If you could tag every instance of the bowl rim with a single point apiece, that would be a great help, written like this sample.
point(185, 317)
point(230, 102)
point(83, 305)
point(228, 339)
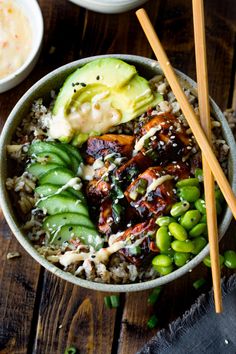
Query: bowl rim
point(139, 286)
point(35, 46)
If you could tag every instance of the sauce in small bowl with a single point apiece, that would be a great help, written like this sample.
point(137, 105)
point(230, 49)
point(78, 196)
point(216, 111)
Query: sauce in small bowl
point(21, 33)
point(15, 37)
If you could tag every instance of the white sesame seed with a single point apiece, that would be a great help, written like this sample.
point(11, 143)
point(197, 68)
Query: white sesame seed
point(226, 341)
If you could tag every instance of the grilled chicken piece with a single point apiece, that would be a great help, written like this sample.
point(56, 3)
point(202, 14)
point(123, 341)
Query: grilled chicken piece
point(152, 192)
point(105, 217)
point(132, 168)
point(170, 140)
point(101, 146)
point(142, 250)
point(97, 191)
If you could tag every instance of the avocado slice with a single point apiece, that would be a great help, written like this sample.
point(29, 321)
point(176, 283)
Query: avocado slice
point(119, 96)
point(107, 72)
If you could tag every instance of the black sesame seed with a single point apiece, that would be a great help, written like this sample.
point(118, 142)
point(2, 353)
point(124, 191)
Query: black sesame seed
point(93, 256)
point(70, 228)
point(98, 77)
point(73, 85)
point(83, 84)
point(74, 90)
point(59, 238)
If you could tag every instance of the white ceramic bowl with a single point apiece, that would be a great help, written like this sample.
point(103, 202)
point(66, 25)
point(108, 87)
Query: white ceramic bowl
point(109, 6)
point(32, 10)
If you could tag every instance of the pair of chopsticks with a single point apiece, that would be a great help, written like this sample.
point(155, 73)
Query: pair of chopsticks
point(210, 164)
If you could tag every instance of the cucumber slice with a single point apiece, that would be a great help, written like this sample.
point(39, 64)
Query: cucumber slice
point(58, 203)
point(74, 154)
point(71, 150)
point(49, 157)
point(54, 222)
point(58, 176)
point(43, 146)
point(87, 235)
point(39, 169)
point(49, 189)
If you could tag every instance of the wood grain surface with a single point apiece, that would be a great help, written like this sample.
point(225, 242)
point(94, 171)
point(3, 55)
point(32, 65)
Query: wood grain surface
point(41, 314)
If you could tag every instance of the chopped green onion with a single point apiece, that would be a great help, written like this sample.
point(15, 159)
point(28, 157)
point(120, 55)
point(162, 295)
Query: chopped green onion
point(141, 186)
point(115, 300)
point(107, 302)
point(199, 174)
point(117, 210)
point(71, 350)
point(135, 250)
point(132, 172)
point(152, 322)
point(199, 283)
point(152, 298)
point(118, 191)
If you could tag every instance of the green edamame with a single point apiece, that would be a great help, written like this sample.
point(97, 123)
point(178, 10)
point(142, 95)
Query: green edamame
point(218, 195)
point(190, 219)
point(180, 258)
point(164, 220)
point(188, 182)
point(198, 230)
point(162, 260)
point(199, 243)
point(203, 219)
point(200, 205)
point(199, 174)
point(186, 246)
point(178, 231)
point(191, 193)
point(164, 270)
point(179, 208)
point(230, 259)
point(207, 261)
point(163, 239)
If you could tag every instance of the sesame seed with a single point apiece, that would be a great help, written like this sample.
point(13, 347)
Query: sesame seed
point(226, 341)
point(172, 137)
point(174, 145)
point(98, 77)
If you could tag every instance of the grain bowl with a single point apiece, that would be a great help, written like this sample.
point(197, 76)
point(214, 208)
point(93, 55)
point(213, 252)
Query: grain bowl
point(125, 270)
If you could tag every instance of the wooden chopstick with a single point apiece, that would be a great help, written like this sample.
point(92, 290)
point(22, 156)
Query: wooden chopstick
point(209, 183)
point(187, 110)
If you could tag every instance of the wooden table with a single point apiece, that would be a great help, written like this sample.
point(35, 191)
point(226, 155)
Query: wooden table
point(39, 313)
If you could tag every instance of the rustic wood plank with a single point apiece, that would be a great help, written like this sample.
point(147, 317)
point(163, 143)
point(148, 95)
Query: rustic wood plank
point(175, 28)
point(18, 279)
point(72, 316)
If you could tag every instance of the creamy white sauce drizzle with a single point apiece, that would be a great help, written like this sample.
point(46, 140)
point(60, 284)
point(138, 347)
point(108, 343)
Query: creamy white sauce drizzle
point(139, 144)
point(157, 182)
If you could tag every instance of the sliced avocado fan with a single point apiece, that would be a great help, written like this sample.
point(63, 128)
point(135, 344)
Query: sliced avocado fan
point(103, 93)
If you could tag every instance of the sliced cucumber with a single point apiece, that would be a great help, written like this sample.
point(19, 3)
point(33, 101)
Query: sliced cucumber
point(43, 146)
point(39, 169)
point(77, 194)
point(58, 203)
point(54, 222)
point(49, 157)
point(50, 189)
point(58, 176)
point(75, 156)
point(87, 235)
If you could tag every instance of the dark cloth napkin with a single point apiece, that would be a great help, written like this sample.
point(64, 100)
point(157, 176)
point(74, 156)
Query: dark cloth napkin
point(201, 330)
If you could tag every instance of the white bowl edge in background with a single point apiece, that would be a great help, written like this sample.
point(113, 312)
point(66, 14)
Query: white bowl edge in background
point(33, 12)
point(109, 6)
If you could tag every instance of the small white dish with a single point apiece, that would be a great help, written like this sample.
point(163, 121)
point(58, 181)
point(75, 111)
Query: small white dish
point(33, 13)
point(109, 6)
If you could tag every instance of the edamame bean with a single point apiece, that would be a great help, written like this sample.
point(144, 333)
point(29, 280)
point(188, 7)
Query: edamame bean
point(190, 219)
point(179, 208)
point(191, 193)
point(199, 243)
point(178, 231)
point(163, 239)
point(187, 182)
point(164, 220)
point(162, 260)
point(180, 258)
point(198, 230)
point(200, 205)
point(219, 195)
point(207, 261)
point(203, 219)
point(199, 174)
point(230, 259)
point(164, 270)
point(182, 246)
